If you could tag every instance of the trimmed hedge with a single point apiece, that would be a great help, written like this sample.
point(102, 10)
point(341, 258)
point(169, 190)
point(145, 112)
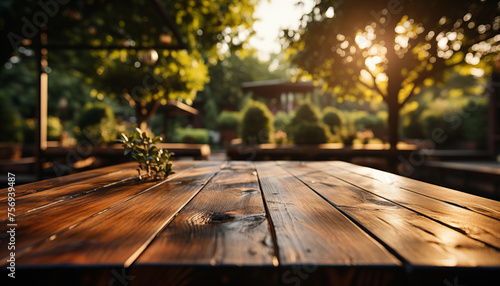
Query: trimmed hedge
point(257, 124)
point(311, 133)
point(332, 117)
point(228, 120)
point(192, 135)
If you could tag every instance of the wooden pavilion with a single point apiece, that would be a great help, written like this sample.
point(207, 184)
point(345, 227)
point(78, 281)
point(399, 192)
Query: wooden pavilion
point(280, 94)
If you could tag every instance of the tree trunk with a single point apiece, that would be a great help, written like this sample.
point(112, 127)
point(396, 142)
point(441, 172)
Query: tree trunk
point(144, 111)
point(393, 87)
point(142, 115)
point(392, 102)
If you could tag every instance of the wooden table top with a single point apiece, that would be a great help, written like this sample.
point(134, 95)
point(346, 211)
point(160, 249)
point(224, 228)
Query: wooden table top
point(247, 223)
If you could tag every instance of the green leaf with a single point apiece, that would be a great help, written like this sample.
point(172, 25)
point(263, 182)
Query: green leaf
point(151, 158)
point(124, 137)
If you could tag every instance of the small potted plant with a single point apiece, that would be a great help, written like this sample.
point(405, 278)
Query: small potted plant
point(152, 159)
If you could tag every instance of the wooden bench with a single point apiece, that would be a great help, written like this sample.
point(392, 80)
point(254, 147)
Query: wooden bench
point(249, 223)
point(481, 178)
point(197, 151)
point(328, 151)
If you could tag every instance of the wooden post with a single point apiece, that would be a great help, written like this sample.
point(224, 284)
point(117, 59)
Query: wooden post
point(494, 110)
point(41, 112)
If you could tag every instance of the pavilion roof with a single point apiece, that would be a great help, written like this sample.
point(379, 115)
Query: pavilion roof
point(274, 88)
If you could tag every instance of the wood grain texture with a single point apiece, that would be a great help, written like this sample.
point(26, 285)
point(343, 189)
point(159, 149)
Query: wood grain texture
point(68, 191)
point(473, 224)
point(419, 240)
point(31, 230)
point(311, 231)
point(225, 224)
point(119, 234)
point(478, 204)
point(39, 186)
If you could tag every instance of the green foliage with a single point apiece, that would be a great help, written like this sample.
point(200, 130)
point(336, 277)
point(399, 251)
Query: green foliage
point(210, 114)
point(311, 133)
point(11, 126)
point(54, 128)
point(306, 113)
point(96, 124)
point(379, 54)
point(192, 135)
point(29, 130)
point(434, 120)
point(228, 120)
point(475, 126)
point(281, 120)
point(332, 117)
point(374, 123)
point(280, 137)
point(151, 158)
point(228, 74)
point(257, 123)
point(205, 27)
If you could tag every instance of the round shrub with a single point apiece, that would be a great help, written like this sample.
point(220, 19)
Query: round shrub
point(332, 118)
point(96, 124)
point(306, 112)
point(311, 133)
point(257, 123)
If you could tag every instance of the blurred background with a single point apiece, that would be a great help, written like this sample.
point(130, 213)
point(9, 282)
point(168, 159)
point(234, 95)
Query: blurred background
point(421, 76)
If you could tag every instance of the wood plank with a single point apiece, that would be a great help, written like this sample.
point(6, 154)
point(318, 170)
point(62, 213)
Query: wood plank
point(70, 190)
point(419, 240)
point(311, 231)
point(168, 275)
point(478, 204)
point(48, 197)
point(225, 224)
point(473, 167)
point(37, 226)
point(39, 186)
point(119, 234)
point(474, 225)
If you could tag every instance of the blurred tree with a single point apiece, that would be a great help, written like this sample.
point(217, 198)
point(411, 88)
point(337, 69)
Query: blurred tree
point(209, 29)
point(18, 81)
point(228, 74)
point(392, 47)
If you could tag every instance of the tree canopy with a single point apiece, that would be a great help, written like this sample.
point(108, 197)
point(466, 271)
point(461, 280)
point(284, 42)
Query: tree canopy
point(209, 30)
point(389, 48)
